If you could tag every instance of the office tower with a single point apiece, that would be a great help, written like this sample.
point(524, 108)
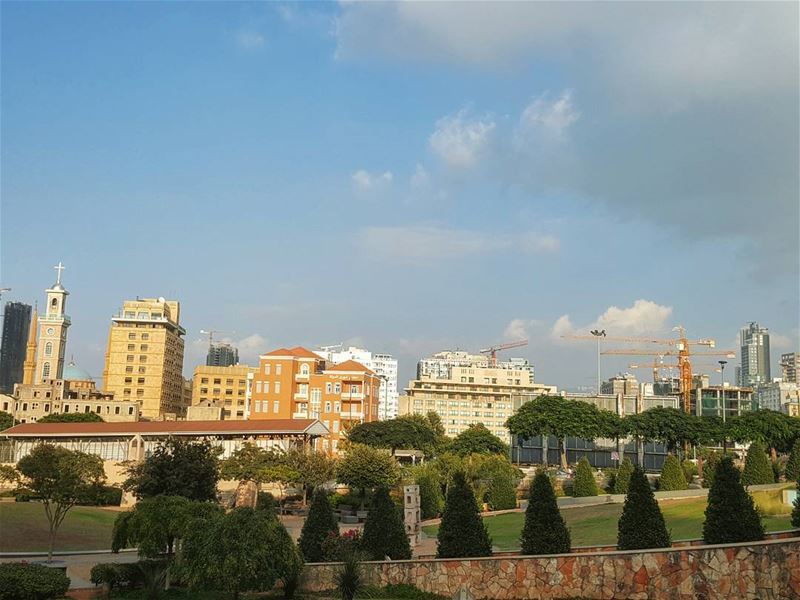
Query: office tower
point(16, 323)
point(221, 354)
point(755, 366)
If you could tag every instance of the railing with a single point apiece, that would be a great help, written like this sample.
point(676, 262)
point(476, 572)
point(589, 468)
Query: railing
point(352, 415)
point(301, 376)
point(54, 318)
point(300, 415)
point(301, 396)
point(352, 396)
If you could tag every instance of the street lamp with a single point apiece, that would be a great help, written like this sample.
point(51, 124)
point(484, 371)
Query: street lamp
point(598, 333)
point(722, 364)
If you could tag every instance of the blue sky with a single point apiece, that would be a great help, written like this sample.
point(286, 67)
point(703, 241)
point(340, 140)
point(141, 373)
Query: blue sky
point(409, 177)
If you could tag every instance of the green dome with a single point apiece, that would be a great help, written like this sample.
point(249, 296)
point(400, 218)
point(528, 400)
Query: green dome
point(73, 372)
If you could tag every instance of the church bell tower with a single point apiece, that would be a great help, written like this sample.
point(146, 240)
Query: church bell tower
point(53, 325)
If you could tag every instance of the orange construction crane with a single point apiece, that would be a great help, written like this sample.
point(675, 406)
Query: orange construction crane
point(493, 350)
point(658, 365)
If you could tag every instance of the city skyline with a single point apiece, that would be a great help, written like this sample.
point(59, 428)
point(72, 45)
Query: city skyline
point(479, 186)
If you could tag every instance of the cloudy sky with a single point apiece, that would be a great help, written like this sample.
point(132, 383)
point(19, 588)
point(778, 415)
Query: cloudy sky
point(410, 177)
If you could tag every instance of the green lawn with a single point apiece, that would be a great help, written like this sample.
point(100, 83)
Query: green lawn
point(23, 528)
point(597, 525)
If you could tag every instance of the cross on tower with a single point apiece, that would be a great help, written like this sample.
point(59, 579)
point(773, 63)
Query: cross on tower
point(59, 267)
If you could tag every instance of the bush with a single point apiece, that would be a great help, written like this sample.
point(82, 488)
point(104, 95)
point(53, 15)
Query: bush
point(462, 533)
point(584, 484)
point(709, 468)
point(545, 531)
point(623, 476)
point(319, 523)
point(266, 502)
point(672, 477)
point(349, 499)
point(792, 471)
point(689, 470)
point(348, 579)
point(24, 581)
point(501, 493)
point(431, 500)
point(384, 531)
point(731, 515)
point(757, 468)
point(335, 547)
point(641, 524)
point(796, 509)
point(101, 495)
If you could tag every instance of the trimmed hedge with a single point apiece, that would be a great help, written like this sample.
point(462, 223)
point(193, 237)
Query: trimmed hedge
point(641, 524)
point(584, 485)
point(757, 467)
point(672, 477)
point(545, 531)
point(792, 471)
point(318, 524)
point(731, 515)
point(623, 477)
point(25, 581)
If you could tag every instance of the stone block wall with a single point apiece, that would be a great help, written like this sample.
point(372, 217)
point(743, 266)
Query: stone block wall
point(756, 570)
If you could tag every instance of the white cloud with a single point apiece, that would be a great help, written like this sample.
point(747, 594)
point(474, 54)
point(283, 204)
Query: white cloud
point(420, 179)
point(779, 341)
point(645, 316)
point(550, 117)
point(520, 328)
point(250, 347)
point(364, 181)
point(425, 244)
point(461, 139)
point(249, 40)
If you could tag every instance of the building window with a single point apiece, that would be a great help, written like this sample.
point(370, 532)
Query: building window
point(336, 426)
point(46, 370)
point(145, 336)
point(87, 409)
point(48, 349)
point(304, 369)
point(142, 369)
point(130, 410)
point(328, 388)
point(258, 387)
point(278, 369)
point(218, 382)
point(127, 391)
point(131, 336)
point(131, 347)
point(276, 406)
point(129, 358)
point(66, 408)
point(129, 380)
point(337, 407)
point(277, 387)
point(143, 348)
point(327, 407)
point(142, 358)
point(140, 380)
point(267, 368)
point(337, 388)
point(116, 410)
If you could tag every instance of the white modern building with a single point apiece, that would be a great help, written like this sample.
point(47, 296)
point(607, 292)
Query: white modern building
point(775, 395)
point(440, 365)
point(385, 365)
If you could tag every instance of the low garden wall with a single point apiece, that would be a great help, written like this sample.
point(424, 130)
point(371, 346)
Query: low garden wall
point(768, 569)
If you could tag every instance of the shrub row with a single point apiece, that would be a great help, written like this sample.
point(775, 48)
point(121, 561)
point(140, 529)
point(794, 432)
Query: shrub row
point(25, 581)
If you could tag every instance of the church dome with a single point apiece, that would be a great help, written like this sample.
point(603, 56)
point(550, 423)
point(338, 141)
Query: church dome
point(73, 372)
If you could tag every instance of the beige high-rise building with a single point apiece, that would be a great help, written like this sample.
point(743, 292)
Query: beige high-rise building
point(226, 388)
point(465, 394)
point(144, 358)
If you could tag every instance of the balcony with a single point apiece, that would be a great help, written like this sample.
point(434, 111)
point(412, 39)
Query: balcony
point(301, 377)
point(300, 415)
point(352, 396)
point(301, 396)
point(352, 414)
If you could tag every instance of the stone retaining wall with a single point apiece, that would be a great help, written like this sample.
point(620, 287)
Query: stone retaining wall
point(765, 570)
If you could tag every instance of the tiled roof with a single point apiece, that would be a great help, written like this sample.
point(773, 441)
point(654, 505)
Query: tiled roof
point(297, 351)
point(253, 426)
point(351, 365)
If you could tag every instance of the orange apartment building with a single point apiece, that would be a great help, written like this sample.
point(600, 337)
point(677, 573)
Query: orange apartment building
point(298, 384)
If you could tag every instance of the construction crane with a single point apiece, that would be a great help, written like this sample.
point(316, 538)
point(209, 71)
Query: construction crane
point(493, 350)
point(210, 333)
point(658, 365)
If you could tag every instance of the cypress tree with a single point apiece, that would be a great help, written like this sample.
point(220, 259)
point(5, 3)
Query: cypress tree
point(672, 477)
point(792, 471)
point(731, 515)
point(584, 485)
point(641, 524)
point(757, 468)
point(320, 523)
point(462, 533)
point(709, 468)
point(545, 531)
point(796, 509)
point(384, 531)
point(623, 476)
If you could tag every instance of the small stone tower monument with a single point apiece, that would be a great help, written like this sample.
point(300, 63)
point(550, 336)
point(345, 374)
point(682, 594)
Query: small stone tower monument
point(411, 513)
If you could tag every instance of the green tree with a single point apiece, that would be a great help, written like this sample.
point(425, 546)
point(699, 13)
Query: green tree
point(241, 551)
point(409, 432)
point(796, 509)
point(670, 426)
point(641, 524)
point(319, 524)
point(709, 468)
point(462, 533)
point(731, 515)
point(545, 531)
point(792, 471)
point(672, 477)
point(559, 417)
point(6, 420)
point(247, 462)
point(366, 468)
point(623, 476)
point(59, 478)
point(477, 439)
point(757, 468)
point(428, 477)
point(584, 485)
point(384, 531)
point(283, 475)
point(774, 430)
point(501, 479)
point(313, 468)
point(176, 468)
point(84, 417)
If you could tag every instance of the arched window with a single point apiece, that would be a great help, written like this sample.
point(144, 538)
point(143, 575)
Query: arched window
point(46, 371)
point(54, 303)
point(304, 369)
point(48, 349)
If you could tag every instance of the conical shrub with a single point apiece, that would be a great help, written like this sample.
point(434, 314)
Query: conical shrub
point(384, 531)
point(757, 467)
point(584, 485)
point(641, 524)
point(796, 509)
point(792, 471)
point(731, 515)
point(623, 477)
point(462, 533)
point(545, 531)
point(672, 477)
point(320, 523)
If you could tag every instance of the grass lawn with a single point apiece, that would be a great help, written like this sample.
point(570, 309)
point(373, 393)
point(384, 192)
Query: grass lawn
point(597, 525)
point(23, 528)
